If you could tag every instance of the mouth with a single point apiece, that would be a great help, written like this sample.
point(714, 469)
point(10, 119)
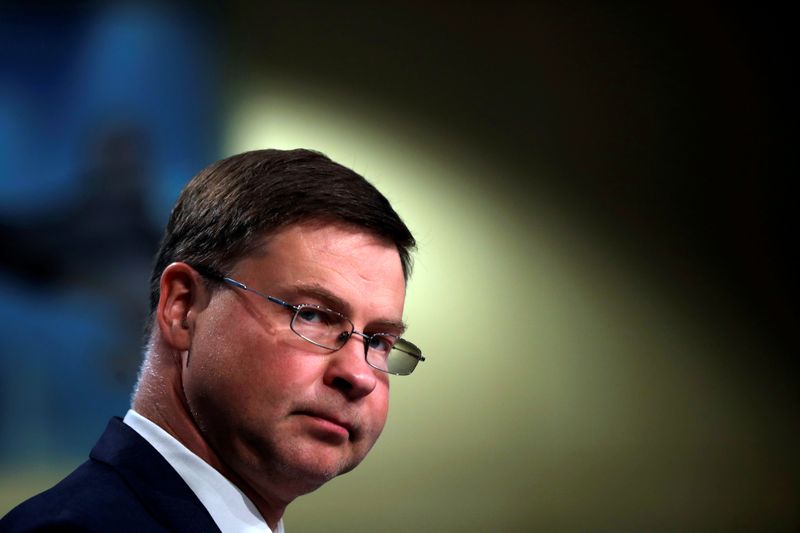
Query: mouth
point(330, 423)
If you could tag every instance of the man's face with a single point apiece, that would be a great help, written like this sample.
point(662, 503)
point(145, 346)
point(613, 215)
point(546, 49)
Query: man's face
point(283, 414)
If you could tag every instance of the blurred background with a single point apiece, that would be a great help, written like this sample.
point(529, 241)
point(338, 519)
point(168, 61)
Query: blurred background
point(605, 286)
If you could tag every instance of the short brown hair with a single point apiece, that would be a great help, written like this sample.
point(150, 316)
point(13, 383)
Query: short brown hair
point(226, 210)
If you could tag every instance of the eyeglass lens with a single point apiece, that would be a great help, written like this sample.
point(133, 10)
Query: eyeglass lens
point(331, 330)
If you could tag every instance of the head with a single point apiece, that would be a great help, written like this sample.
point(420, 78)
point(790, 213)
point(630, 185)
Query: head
point(226, 211)
point(274, 412)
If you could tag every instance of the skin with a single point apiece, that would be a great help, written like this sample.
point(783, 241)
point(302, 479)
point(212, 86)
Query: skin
point(228, 378)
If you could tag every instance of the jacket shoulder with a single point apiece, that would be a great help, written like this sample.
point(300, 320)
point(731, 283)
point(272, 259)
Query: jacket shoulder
point(92, 498)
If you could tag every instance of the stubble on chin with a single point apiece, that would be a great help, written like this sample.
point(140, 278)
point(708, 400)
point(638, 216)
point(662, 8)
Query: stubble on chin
point(296, 466)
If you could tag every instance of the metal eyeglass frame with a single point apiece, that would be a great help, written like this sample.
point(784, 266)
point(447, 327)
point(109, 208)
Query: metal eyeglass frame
point(216, 276)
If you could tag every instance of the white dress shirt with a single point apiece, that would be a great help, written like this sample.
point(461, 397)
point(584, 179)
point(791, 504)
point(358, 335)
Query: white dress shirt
point(232, 511)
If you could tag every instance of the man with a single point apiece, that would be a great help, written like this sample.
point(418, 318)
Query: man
point(277, 300)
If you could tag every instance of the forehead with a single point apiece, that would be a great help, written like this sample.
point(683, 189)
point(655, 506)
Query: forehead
point(344, 259)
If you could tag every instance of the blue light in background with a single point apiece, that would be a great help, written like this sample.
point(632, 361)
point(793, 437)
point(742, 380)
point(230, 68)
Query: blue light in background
point(105, 111)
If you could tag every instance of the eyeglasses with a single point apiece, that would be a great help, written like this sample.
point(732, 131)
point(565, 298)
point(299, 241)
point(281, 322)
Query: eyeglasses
point(331, 330)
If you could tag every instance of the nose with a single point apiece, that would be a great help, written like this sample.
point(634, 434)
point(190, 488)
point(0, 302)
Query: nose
point(348, 371)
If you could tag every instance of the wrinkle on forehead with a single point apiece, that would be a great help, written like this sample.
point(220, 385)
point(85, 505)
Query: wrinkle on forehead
point(345, 259)
point(309, 232)
point(353, 261)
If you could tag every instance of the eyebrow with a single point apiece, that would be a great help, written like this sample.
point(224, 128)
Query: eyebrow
point(334, 302)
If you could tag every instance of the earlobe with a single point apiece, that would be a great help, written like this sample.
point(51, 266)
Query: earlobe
point(180, 293)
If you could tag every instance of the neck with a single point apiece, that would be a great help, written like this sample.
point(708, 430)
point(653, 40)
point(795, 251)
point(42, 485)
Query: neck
point(160, 398)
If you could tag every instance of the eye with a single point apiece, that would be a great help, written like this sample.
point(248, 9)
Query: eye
point(311, 315)
point(382, 343)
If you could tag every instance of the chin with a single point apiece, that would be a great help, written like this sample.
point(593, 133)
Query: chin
point(320, 466)
point(304, 478)
point(303, 465)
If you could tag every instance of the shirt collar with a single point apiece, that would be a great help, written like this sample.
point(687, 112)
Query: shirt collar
point(231, 509)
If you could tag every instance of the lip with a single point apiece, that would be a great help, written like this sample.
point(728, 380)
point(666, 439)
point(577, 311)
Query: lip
point(332, 422)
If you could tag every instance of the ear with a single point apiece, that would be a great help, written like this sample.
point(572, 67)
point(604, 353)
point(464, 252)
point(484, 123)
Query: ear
point(182, 296)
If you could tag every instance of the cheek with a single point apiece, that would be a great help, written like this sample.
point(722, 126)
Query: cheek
point(234, 337)
point(225, 362)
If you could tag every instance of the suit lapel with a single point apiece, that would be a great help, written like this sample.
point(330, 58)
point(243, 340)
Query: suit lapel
point(161, 490)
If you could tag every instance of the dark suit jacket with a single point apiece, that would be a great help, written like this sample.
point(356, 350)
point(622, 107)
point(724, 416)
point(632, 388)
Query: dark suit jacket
point(126, 485)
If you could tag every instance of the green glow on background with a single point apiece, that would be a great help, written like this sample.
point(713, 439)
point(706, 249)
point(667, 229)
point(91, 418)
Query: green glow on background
point(561, 391)
point(603, 286)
